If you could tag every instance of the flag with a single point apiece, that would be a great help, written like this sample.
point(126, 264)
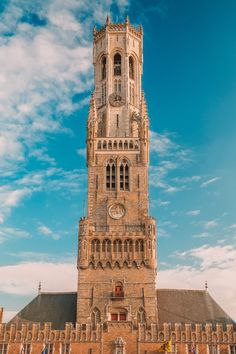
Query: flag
point(192, 350)
point(169, 346)
point(166, 347)
point(45, 349)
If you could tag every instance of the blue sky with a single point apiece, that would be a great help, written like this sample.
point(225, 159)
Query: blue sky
point(45, 85)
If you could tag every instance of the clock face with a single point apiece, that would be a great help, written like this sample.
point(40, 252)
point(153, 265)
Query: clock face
point(116, 99)
point(116, 211)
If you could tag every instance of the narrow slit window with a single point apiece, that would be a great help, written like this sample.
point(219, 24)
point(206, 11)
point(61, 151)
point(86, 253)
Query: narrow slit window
point(117, 64)
point(111, 175)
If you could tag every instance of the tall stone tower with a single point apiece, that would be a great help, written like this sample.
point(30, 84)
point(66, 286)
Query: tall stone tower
point(117, 242)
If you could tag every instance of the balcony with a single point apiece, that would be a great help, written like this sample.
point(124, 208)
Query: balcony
point(130, 144)
point(117, 296)
point(120, 228)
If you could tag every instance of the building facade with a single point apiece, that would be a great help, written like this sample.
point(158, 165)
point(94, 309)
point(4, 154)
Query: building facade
point(117, 308)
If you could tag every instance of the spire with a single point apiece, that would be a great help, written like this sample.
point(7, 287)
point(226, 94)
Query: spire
point(206, 286)
point(39, 287)
point(92, 109)
point(94, 30)
point(108, 20)
point(127, 21)
point(143, 107)
point(1, 314)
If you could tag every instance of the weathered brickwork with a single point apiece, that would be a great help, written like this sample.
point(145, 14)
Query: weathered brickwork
point(119, 310)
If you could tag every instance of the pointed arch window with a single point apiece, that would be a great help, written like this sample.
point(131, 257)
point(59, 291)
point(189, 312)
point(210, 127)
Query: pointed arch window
point(95, 318)
point(117, 64)
point(104, 93)
point(117, 85)
point(111, 175)
point(103, 68)
point(131, 68)
point(141, 316)
point(124, 175)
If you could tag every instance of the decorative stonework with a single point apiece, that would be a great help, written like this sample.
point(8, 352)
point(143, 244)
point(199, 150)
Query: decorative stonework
point(117, 211)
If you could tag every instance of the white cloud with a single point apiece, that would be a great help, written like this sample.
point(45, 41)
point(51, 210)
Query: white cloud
point(48, 180)
point(43, 67)
point(11, 198)
point(45, 230)
point(202, 235)
point(216, 264)
point(23, 279)
point(171, 156)
point(210, 181)
point(7, 233)
point(193, 212)
point(210, 224)
point(82, 152)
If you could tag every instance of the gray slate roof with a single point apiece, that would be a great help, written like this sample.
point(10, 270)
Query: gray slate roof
point(174, 306)
point(57, 308)
point(189, 306)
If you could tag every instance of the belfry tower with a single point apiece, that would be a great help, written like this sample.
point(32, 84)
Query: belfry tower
point(117, 242)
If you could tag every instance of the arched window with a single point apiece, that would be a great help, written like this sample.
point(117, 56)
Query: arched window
point(117, 64)
point(131, 93)
point(95, 318)
point(124, 175)
point(103, 68)
point(117, 85)
point(117, 247)
point(141, 316)
point(104, 93)
point(111, 175)
point(119, 291)
point(106, 246)
point(128, 246)
point(131, 68)
point(95, 246)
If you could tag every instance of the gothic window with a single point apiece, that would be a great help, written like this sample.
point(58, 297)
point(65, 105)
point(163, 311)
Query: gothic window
point(118, 291)
point(124, 175)
point(141, 316)
point(111, 175)
point(233, 349)
point(131, 68)
point(131, 93)
point(117, 246)
point(95, 246)
point(212, 349)
point(128, 246)
point(3, 348)
point(119, 315)
point(104, 93)
point(65, 348)
point(117, 85)
point(117, 64)
point(106, 246)
point(103, 68)
point(95, 318)
point(26, 348)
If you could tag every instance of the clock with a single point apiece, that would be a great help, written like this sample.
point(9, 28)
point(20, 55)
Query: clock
point(116, 99)
point(116, 211)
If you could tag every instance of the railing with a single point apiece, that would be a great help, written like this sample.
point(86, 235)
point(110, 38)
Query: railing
point(118, 144)
point(120, 228)
point(117, 296)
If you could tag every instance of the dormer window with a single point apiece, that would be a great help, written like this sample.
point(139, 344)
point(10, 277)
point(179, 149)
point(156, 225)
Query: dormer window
point(117, 64)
